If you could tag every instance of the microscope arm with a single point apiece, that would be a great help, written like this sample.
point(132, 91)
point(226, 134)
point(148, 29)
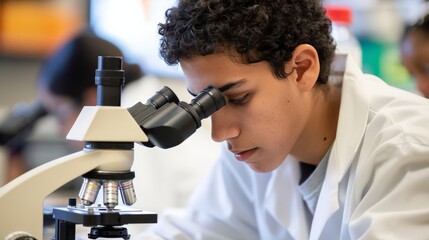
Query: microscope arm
point(21, 200)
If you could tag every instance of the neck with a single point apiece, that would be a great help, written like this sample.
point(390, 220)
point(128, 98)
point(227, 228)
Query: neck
point(320, 131)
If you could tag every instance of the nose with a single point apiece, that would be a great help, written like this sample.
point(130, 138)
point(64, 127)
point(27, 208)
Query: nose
point(223, 126)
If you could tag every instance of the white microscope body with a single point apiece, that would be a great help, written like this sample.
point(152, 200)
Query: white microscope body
point(109, 133)
point(21, 201)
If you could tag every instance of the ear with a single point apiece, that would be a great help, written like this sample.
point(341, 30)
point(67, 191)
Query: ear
point(305, 62)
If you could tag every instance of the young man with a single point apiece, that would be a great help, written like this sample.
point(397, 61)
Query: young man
point(414, 47)
point(307, 155)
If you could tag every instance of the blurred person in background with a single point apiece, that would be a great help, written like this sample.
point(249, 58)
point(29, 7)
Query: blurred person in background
point(414, 49)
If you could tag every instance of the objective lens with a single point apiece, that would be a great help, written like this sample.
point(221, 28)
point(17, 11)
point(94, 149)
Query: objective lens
point(89, 191)
point(110, 196)
point(127, 192)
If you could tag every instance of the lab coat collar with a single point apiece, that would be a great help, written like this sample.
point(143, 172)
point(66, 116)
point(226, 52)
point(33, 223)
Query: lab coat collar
point(353, 116)
point(350, 131)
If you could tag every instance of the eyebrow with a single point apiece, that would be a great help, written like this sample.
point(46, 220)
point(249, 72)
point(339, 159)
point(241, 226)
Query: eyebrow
point(225, 87)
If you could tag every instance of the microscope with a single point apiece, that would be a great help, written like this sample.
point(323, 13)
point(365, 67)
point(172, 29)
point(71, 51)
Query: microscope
point(109, 132)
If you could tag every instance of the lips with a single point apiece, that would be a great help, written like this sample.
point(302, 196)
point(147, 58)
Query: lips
point(243, 155)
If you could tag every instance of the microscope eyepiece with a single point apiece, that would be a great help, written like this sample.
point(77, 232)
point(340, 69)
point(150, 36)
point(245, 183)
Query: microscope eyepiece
point(109, 63)
point(109, 78)
point(208, 101)
point(162, 97)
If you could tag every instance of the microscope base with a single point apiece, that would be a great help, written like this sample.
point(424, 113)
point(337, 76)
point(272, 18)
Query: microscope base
point(102, 221)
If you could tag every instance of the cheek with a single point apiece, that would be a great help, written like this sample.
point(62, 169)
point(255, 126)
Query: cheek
point(270, 117)
point(282, 119)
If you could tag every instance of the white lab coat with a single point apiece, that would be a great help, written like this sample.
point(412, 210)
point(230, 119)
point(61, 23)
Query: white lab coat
point(376, 184)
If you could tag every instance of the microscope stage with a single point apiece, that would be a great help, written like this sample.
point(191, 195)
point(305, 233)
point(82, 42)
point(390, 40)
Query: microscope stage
point(95, 216)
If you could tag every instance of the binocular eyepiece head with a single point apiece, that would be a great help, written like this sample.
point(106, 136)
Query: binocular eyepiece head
point(208, 101)
point(168, 122)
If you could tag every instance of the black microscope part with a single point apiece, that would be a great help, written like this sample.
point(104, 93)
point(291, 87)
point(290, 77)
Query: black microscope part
point(109, 78)
point(109, 232)
point(18, 124)
point(172, 122)
point(162, 97)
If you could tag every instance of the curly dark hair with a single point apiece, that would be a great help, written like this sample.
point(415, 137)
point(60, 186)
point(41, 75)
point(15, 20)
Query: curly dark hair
point(421, 25)
point(258, 30)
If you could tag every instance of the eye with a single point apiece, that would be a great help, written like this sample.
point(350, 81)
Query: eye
point(239, 101)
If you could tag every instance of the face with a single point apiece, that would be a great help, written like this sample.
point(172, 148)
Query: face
point(264, 115)
point(415, 58)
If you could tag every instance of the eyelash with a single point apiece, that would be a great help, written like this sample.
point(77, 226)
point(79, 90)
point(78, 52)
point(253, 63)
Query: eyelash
point(239, 101)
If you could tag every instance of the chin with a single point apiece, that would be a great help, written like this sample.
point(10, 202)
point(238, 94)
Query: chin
point(261, 168)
